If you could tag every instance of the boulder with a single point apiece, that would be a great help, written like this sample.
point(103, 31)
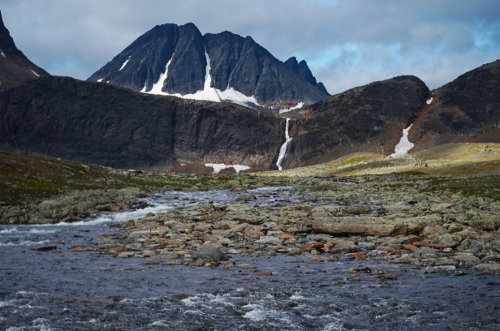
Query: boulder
point(210, 254)
point(365, 226)
point(489, 268)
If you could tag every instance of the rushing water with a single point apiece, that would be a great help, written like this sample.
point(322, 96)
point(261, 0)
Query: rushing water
point(61, 289)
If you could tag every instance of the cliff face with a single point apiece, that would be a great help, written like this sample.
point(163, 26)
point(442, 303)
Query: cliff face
point(465, 110)
point(117, 127)
point(14, 66)
point(367, 118)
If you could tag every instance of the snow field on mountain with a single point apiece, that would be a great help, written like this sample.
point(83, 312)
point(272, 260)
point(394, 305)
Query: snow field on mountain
point(208, 93)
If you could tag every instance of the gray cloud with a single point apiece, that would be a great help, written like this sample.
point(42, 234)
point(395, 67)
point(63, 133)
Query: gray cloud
point(347, 43)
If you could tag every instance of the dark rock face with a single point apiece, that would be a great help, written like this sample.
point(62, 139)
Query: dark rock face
point(302, 70)
point(235, 62)
point(360, 118)
point(465, 110)
point(14, 66)
point(117, 127)
point(186, 73)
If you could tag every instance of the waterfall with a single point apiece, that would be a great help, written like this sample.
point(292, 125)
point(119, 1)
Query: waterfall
point(283, 147)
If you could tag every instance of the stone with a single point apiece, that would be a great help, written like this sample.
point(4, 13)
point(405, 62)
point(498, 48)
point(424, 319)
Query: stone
point(445, 261)
point(442, 268)
point(126, 254)
point(45, 248)
point(477, 248)
point(210, 254)
point(245, 266)
point(489, 268)
point(364, 226)
point(424, 252)
point(466, 259)
point(268, 240)
point(345, 247)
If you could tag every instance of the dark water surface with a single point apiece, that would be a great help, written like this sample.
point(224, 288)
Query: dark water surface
point(64, 290)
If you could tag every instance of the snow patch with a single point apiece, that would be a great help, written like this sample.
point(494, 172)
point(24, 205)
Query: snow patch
point(156, 89)
point(234, 96)
point(208, 93)
point(429, 100)
point(297, 106)
point(124, 63)
point(283, 147)
point(220, 166)
point(2, 53)
point(100, 80)
point(404, 145)
point(34, 73)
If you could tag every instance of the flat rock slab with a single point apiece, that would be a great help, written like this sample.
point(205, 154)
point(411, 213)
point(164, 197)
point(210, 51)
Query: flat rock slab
point(210, 254)
point(366, 226)
point(489, 268)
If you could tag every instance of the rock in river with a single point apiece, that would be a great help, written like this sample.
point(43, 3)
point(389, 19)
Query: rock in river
point(210, 254)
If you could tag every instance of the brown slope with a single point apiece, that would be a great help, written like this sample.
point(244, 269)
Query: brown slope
point(366, 118)
point(14, 66)
point(465, 110)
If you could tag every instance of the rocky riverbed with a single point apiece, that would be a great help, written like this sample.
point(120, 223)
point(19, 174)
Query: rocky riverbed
point(401, 218)
point(246, 252)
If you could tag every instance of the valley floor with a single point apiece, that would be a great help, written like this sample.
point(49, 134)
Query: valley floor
point(127, 249)
point(445, 219)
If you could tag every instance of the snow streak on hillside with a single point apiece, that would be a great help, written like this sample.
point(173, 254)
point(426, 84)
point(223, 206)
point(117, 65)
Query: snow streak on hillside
point(404, 145)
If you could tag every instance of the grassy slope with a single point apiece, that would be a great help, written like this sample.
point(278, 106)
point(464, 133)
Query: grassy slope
point(26, 178)
point(473, 169)
point(457, 159)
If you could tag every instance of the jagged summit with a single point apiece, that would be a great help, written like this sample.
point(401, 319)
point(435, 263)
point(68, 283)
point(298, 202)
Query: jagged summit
point(180, 61)
point(14, 65)
point(302, 70)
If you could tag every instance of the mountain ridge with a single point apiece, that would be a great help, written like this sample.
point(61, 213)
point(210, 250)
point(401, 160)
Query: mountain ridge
point(175, 60)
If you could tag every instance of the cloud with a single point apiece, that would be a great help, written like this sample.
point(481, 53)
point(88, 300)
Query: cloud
point(346, 43)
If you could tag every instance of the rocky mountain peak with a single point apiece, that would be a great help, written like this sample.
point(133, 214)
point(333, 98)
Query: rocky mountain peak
point(302, 70)
point(180, 61)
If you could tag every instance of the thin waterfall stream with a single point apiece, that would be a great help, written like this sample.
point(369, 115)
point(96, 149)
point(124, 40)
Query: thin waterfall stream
point(283, 147)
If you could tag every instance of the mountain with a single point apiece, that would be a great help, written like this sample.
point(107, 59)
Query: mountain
point(302, 70)
point(180, 61)
point(114, 126)
point(14, 66)
point(365, 118)
point(465, 110)
point(119, 127)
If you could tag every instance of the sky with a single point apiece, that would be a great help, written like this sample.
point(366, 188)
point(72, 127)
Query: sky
point(346, 43)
